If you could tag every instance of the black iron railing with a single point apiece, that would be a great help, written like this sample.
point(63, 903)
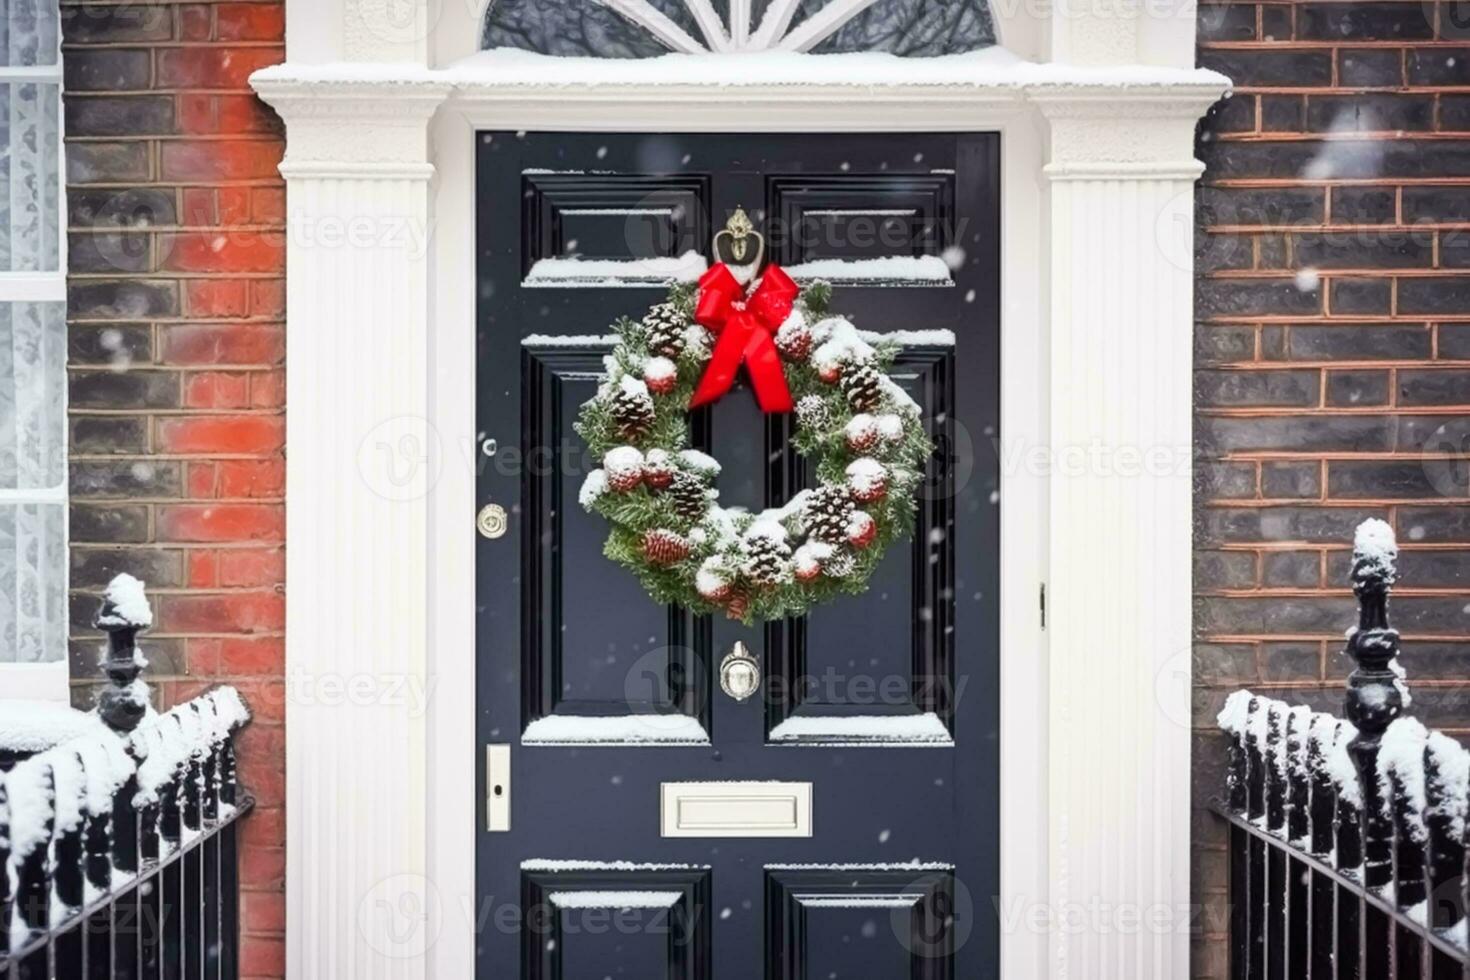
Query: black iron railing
point(119, 846)
point(1347, 836)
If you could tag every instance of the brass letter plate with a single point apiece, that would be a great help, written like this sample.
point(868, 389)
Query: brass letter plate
point(745, 809)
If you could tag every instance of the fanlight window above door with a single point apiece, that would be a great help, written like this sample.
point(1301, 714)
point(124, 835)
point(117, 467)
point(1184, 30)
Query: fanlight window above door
point(648, 28)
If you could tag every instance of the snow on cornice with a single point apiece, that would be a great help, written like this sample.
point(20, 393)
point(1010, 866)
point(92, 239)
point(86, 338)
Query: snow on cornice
point(991, 68)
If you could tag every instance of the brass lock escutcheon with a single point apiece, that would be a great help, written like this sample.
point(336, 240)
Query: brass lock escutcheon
point(491, 521)
point(740, 673)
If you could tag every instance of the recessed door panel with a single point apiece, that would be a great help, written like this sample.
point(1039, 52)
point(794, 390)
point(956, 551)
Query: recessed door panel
point(588, 923)
point(599, 227)
point(600, 663)
point(860, 922)
point(891, 228)
point(879, 667)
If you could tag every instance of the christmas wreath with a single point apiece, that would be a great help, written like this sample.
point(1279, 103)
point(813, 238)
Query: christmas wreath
point(863, 431)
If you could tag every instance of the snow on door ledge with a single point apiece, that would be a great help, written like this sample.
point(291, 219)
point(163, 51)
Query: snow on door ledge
point(645, 729)
point(888, 270)
point(614, 899)
point(571, 273)
point(876, 730)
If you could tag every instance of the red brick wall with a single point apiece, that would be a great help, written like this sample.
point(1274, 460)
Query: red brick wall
point(1326, 397)
point(177, 300)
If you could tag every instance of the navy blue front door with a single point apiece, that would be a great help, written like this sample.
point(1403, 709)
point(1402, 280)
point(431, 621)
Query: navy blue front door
point(854, 833)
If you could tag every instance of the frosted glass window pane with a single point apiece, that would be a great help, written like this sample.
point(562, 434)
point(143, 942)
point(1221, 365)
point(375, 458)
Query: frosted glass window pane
point(32, 396)
point(33, 615)
point(30, 177)
point(29, 29)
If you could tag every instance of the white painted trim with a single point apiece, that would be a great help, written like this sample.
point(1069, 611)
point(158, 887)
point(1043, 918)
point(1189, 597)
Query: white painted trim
point(50, 681)
point(1119, 551)
point(710, 25)
point(1112, 138)
point(41, 74)
point(35, 287)
point(774, 23)
point(33, 495)
point(358, 299)
point(822, 24)
point(740, 12)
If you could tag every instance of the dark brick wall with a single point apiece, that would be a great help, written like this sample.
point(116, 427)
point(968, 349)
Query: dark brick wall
point(177, 299)
point(1332, 365)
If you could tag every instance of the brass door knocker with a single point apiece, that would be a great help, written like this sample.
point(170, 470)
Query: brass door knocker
point(741, 240)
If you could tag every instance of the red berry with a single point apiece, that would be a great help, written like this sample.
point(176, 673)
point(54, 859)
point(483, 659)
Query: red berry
point(867, 480)
point(624, 480)
point(861, 529)
point(717, 593)
point(660, 375)
point(830, 373)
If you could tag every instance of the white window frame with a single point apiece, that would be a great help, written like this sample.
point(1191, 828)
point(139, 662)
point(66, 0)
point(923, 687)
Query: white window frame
point(48, 680)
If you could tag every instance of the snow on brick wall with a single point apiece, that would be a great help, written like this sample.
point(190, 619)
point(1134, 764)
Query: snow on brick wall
point(176, 359)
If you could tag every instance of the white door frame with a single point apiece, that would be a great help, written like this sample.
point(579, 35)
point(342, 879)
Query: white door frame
point(1097, 175)
point(1023, 695)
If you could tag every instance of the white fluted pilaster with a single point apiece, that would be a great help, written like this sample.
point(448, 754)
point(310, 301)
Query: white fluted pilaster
point(359, 464)
point(1120, 234)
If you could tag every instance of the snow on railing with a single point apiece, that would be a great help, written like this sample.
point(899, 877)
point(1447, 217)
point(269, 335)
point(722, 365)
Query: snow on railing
point(97, 827)
point(1378, 801)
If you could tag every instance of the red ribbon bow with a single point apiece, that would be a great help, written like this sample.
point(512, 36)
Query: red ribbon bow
point(745, 326)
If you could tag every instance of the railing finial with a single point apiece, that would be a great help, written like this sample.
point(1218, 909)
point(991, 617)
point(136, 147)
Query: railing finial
point(124, 614)
point(1376, 694)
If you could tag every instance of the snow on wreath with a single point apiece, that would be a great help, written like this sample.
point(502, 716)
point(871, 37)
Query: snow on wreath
point(863, 431)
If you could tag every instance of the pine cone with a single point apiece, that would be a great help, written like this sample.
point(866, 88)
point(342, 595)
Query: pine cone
point(691, 499)
point(664, 325)
point(737, 603)
point(664, 547)
point(767, 561)
point(827, 513)
point(632, 410)
point(863, 386)
point(840, 565)
point(814, 414)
